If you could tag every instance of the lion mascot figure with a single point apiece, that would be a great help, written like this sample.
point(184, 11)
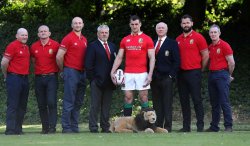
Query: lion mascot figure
point(142, 122)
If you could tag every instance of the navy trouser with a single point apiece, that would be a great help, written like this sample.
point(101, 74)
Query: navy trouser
point(46, 94)
point(74, 90)
point(100, 101)
point(189, 83)
point(17, 98)
point(218, 87)
point(162, 92)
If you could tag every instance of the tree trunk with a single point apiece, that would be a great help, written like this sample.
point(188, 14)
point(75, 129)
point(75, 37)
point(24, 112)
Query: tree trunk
point(196, 9)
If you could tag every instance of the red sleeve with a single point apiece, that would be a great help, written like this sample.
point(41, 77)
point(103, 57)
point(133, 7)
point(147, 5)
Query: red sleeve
point(65, 43)
point(150, 43)
point(201, 42)
point(122, 44)
point(10, 51)
point(227, 50)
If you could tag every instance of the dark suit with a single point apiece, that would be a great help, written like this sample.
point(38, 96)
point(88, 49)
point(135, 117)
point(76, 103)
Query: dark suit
point(98, 68)
point(166, 66)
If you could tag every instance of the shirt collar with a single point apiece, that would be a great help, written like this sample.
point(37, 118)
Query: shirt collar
point(162, 39)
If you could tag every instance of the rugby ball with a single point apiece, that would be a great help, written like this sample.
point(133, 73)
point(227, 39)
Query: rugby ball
point(119, 75)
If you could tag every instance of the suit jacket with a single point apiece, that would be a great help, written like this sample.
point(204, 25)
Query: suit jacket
point(97, 64)
point(167, 59)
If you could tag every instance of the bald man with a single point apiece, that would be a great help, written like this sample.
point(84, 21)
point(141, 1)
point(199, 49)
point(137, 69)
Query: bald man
point(15, 68)
point(70, 59)
point(166, 67)
point(43, 54)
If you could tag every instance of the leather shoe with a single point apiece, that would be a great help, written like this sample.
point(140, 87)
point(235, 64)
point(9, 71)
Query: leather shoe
point(210, 130)
point(228, 129)
point(94, 131)
point(184, 130)
point(106, 131)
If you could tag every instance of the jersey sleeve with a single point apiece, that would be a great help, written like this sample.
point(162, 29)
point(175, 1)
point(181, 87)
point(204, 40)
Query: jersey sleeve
point(227, 50)
point(122, 44)
point(150, 43)
point(65, 43)
point(201, 43)
point(9, 52)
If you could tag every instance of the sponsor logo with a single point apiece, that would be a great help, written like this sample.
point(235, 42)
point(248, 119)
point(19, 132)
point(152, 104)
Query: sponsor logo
point(140, 40)
point(21, 52)
point(36, 51)
point(218, 51)
point(75, 44)
point(50, 51)
point(128, 40)
point(191, 41)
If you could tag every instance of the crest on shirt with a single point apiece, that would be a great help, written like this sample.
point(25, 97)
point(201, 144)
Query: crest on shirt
point(128, 40)
point(36, 51)
point(140, 40)
point(166, 53)
point(75, 44)
point(21, 52)
point(218, 51)
point(191, 41)
point(178, 42)
point(50, 51)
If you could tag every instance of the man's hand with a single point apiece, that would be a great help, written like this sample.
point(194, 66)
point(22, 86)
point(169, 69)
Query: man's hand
point(147, 81)
point(113, 78)
point(231, 79)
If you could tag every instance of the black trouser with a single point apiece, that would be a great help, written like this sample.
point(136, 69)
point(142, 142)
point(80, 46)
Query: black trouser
point(100, 100)
point(46, 94)
point(189, 83)
point(162, 91)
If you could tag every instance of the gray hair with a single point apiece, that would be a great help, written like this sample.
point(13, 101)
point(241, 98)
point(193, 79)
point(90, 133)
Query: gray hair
point(21, 30)
point(215, 26)
point(103, 26)
point(43, 26)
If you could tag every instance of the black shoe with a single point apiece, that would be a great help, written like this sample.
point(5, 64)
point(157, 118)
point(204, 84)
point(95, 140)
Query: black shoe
point(228, 129)
point(10, 133)
point(52, 130)
point(210, 130)
point(184, 130)
point(94, 131)
point(106, 131)
point(68, 131)
point(44, 131)
point(200, 130)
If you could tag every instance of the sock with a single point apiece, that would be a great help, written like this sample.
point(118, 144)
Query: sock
point(127, 110)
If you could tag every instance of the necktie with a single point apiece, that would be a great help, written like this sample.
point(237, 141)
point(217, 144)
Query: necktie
point(157, 49)
point(107, 50)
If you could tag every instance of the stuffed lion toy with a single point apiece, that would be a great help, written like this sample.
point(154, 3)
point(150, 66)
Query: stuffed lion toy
point(142, 122)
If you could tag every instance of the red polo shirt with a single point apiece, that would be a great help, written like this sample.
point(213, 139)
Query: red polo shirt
point(136, 52)
point(45, 56)
point(218, 54)
point(76, 50)
point(19, 56)
point(190, 48)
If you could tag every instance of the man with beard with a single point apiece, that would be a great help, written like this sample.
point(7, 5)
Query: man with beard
point(70, 59)
point(15, 67)
point(43, 54)
point(194, 58)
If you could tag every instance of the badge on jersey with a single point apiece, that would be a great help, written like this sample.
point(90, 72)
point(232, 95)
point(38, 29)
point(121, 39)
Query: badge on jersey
point(21, 52)
point(191, 41)
point(36, 51)
point(75, 44)
point(166, 53)
point(140, 40)
point(218, 51)
point(50, 51)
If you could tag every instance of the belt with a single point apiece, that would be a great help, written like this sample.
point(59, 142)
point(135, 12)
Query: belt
point(213, 71)
point(19, 75)
point(45, 75)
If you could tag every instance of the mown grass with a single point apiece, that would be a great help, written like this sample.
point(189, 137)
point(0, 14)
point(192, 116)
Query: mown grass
point(32, 137)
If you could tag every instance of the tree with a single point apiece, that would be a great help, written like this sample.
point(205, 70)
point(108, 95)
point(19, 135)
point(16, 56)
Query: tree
point(196, 9)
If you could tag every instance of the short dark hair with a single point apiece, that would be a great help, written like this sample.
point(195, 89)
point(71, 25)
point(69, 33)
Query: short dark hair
point(135, 17)
point(187, 16)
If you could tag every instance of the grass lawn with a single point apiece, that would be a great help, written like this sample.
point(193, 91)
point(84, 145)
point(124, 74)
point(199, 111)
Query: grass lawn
point(239, 137)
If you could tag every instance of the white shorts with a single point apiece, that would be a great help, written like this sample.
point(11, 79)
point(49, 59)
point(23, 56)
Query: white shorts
point(135, 81)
